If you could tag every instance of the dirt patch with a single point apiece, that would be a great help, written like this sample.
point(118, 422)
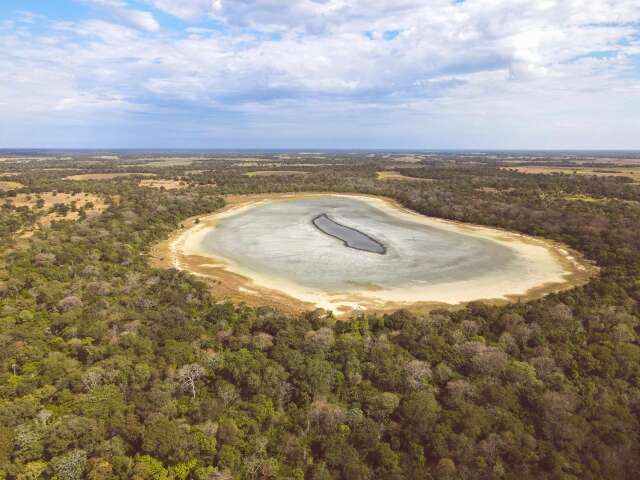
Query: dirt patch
point(42, 203)
point(105, 176)
point(234, 286)
point(167, 184)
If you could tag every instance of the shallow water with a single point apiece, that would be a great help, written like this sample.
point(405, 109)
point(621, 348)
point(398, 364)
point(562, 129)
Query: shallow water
point(278, 240)
point(351, 237)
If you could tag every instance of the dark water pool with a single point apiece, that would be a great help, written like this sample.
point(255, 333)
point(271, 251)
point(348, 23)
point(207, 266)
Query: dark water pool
point(351, 237)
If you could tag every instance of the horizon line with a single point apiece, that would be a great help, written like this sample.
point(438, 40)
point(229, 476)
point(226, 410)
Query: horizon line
point(311, 149)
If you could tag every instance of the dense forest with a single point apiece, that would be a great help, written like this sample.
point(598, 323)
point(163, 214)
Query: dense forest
point(110, 369)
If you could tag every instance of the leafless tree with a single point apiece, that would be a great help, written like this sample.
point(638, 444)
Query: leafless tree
point(92, 378)
point(418, 374)
point(188, 375)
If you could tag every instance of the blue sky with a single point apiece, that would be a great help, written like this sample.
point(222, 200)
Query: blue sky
point(320, 73)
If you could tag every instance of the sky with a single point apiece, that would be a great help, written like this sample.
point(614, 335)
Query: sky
point(383, 74)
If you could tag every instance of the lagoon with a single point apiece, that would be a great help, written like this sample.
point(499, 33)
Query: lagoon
point(345, 252)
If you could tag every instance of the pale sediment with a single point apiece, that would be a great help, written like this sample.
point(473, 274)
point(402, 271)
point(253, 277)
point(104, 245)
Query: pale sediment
point(544, 266)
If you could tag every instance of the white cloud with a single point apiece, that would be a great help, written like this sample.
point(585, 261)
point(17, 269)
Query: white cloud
point(190, 10)
point(136, 18)
point(512, 64)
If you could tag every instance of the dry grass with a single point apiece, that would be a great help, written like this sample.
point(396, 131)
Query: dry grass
point(494, 190)
point(168, 184)
point(393, 175)
point(49, 199)
point(590, 199)
point(633, 173)
point(272, 173)
point(105, 176)
point(8, 185)
point(584, 198)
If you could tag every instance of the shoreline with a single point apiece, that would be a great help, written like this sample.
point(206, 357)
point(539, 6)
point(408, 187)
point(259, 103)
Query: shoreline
point(239, 283)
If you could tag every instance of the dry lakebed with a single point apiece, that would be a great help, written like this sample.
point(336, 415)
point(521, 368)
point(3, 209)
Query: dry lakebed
point(355, 252)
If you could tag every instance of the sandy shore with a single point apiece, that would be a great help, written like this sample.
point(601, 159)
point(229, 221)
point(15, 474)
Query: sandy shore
point(562, 268)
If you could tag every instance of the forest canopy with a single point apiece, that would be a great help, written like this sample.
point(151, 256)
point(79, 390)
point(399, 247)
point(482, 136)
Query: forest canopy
point(111, 369)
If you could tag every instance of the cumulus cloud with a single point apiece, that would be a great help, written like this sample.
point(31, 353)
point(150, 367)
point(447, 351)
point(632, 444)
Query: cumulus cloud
point(136, 18)
point(397, 68)
point(190, 10)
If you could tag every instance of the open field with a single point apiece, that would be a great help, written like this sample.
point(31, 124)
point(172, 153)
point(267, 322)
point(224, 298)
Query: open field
point(168, 184)
point(105, 176)
point(6, 186)
point(633, 173)
point(274, 173)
